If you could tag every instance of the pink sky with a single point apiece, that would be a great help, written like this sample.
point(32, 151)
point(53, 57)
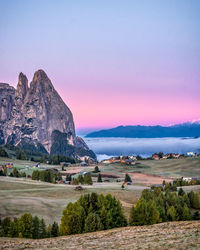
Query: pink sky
point(113, 62)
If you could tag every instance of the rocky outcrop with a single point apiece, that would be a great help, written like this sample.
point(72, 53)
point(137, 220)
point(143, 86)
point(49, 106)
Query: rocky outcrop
point(61, 145)
point(31, 115)
point(6, 101)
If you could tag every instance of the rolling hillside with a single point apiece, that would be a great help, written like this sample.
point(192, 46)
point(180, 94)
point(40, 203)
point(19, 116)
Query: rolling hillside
point(171, 235)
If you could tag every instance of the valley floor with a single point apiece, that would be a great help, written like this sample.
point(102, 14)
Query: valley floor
point(170, 235)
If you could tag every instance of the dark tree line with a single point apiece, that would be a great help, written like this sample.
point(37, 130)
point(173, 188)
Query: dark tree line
point(14, 173)
point(86, 179)
point(46, 176)
point(172, 186)
point(56, 159)
point(27, 226)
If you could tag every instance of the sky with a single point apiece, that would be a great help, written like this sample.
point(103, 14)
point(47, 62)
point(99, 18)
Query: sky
point(113, 62)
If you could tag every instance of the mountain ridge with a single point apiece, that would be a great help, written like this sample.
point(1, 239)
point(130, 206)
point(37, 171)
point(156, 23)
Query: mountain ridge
point(153, 131)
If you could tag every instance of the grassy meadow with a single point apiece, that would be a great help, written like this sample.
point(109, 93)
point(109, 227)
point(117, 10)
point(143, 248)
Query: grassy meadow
point(20, 195)
point(172, 168)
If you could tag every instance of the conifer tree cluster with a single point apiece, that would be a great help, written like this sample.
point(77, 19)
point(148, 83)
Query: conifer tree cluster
point(86, 179)
point(46, 176)
point(14, 173)
point(172, 186)
point(156, 206)
point(92, 212)
point(27, 226)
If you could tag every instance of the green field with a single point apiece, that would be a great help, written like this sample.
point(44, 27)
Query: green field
point(173, 168)
point(25, 166)
point(20, 195)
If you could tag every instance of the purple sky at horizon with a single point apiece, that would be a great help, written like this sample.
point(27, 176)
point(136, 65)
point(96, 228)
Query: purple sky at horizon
point(113, 62)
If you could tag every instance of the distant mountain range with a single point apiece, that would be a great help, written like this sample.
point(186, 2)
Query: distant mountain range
point(180, 130)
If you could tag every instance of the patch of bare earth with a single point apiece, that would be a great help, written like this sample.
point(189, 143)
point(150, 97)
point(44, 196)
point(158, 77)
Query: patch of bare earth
point(148, 178)
point(171, 235)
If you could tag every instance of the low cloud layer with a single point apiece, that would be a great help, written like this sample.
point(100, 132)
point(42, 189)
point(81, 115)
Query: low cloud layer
point(145, 147)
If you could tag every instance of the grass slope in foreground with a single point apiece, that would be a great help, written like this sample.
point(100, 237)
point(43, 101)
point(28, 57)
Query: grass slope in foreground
point(170, 235)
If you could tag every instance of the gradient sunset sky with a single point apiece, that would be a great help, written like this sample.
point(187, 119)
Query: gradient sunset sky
point(113, 62)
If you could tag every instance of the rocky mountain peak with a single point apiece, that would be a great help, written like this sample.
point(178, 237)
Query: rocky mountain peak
point(22, 86)
point(37, 116)
point(40, 76)
point(22, 79)
point(41, 83)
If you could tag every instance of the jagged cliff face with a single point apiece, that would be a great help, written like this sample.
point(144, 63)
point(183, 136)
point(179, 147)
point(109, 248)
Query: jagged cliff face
point(30, 115)
point(6, 101)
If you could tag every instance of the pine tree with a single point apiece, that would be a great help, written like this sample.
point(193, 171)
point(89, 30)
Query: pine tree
point(5, 227)
point(59, 177)
point(42, 231)
point(195, 202)
point(172, 214)
point(72, 221)
point(88, 179)
point(25, 225)
point(42, 175)
point(93, 223)
point(186, 215)
point(35, 223)
point(133, 216)
point(23, 174)
point(181, 192)
point(15, 172)
point(96, 169)
point(127, 178)
point(99, 179)
point(35, 175)
point(54, 230)
point(48, 233)
point(139, 214)
point(68, 177)
point(5, 171)
point(80, 179)
point(75, 181)
point(154, 215)
point(13, 230)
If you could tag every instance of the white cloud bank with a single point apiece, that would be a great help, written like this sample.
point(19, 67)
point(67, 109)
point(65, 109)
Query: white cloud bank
point(142, 146)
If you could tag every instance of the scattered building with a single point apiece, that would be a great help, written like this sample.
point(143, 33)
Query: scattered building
point(155, 157)
point(129, 160)
point(192, 154)
point(6, 165)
